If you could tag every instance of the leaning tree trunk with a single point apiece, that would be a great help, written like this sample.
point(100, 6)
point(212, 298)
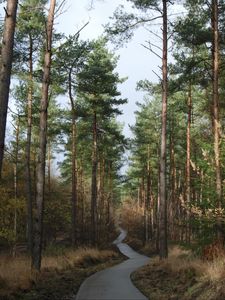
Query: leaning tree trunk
point(38, 225)
point(163, 247)
point(5, 69)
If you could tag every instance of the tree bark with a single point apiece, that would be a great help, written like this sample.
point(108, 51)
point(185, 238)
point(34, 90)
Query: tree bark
point(172, 205)
point(5, 69)
point(49, 166)
point(148, 230)
point(163, 247)
point(188, 166)
point(28, 152)
point(82, 196)
point(16, 184)
point(74, 196)
point(37, 251)
point(109, 199)
point(216, 119)
point(94, 182)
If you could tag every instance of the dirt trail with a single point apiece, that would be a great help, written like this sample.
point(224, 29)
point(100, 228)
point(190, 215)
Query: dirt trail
point(114, 283)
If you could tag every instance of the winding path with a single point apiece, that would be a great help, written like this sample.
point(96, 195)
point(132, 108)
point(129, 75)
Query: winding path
point(114, 283)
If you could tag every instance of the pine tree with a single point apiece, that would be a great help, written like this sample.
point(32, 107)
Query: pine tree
point(97, 85)
point(5, 67)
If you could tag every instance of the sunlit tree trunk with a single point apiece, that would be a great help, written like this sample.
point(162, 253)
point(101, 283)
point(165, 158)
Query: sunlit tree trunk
point(5, 69)
point(37, 251)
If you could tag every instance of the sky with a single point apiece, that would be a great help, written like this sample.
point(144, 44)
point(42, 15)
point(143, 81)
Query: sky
point(135, 61)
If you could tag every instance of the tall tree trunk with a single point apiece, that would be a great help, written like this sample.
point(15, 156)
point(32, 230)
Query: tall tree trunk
point(102, 199)
point(37, 251)
point(216, 120)
point(28, 152)
point(74, 196)
point(109, 199)
point(163, 247)
point(172, 205)
point(16, 183)
point(5, 69)
point(148, 200)
point(35, 169)
point(49, 166)
point(188, 165)
point(94, 182)
point(82, 195)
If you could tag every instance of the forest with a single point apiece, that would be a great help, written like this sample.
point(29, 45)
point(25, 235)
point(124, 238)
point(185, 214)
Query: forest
point(65, 99)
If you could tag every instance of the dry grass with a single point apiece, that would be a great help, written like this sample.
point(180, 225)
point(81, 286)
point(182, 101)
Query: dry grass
point(182, 276)
point(15, 273)
point(80, 257)
point(182, 260)
point(215, 271)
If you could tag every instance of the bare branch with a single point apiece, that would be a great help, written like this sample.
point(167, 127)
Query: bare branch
point(157, 75)
point(74, 36)
point(150, 49)
point(154, 45)
point(152, 32)
point(16, 114)
point(6, 12)
point(141, 21)
point(77, 33)
point(13, 125)
point(61, 5)
point(170, 36)
point(91, 6)
point(12, 155)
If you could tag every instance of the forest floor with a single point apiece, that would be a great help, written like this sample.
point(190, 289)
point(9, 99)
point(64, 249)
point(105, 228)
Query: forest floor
point(182, 277)
point(60, 277)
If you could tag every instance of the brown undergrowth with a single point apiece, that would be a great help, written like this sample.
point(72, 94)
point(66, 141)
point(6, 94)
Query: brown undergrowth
point(60, 277)
point(182, 277)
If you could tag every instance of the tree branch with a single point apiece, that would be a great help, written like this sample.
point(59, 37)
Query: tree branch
point(152, 32)
point(141, 21)
point(154, 45)
point(150, 49)
point(61, 5)
point(157, 75)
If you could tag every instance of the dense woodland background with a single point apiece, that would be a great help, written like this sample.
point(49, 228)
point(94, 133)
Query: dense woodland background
point(174, 186)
